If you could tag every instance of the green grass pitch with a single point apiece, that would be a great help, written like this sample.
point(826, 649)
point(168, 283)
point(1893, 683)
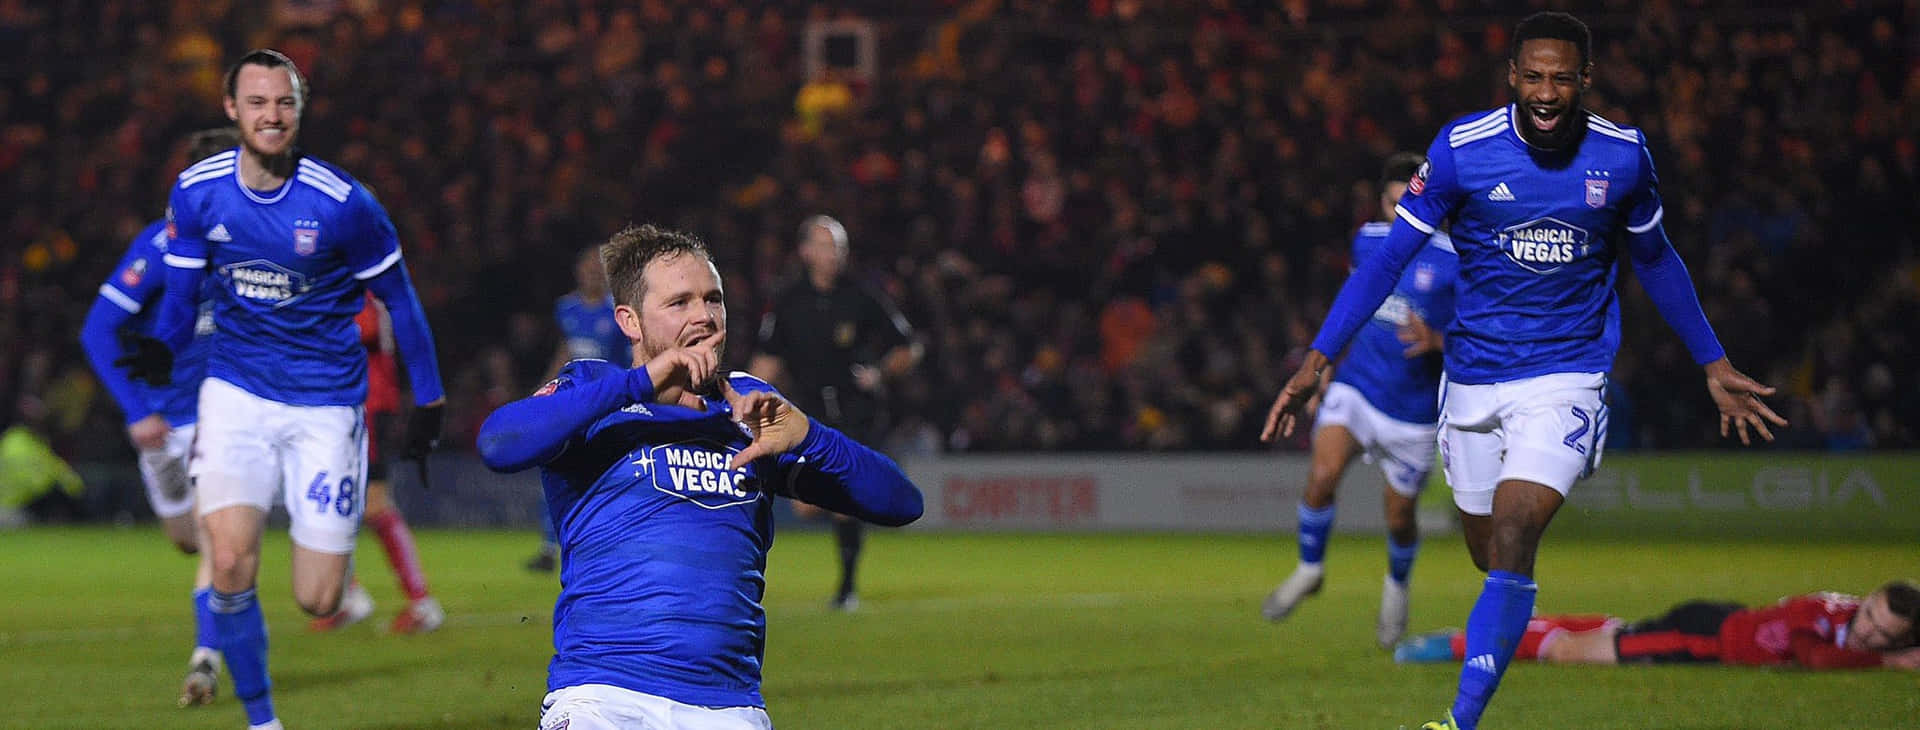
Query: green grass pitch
point(956, 631)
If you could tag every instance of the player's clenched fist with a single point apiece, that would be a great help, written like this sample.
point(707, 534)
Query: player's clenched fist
point(688, 367)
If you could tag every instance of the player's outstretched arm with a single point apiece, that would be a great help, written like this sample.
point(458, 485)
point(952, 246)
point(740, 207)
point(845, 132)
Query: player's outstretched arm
point(1297, 396)
point(831, 470)
point(1738, 398)
point(411, 335)
point(535, 430)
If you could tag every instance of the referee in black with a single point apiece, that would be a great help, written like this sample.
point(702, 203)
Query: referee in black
point(830, 343)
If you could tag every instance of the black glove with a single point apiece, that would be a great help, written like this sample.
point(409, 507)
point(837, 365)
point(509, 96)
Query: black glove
point(423, 436)
point(148, 359)
point(423, 432)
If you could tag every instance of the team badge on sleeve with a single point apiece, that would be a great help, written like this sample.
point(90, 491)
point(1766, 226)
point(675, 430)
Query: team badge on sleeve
point(552, 385)
point(1596, 193)
point(1418, 183)
point(134, 272)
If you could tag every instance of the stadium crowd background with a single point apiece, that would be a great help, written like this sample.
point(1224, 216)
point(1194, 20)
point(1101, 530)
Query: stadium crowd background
point(1102, 216)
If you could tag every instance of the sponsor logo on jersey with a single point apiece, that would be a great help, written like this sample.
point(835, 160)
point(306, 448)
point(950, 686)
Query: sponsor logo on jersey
point(1596, 193)
point(1501, 193)
point(1544, 245)
point(697, 471)
point(1397, 310)
point(134, 273)
point(219, 234)
point(1418, 183)
point(306, 236)
point(264, 281)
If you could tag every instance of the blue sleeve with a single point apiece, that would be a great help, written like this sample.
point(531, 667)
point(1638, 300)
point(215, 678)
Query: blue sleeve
point(1662, 273)
point(1440, 307)
point(411, 335)
point(535, 430)
point(135, 283)
point(1431, 196)
point(1372, 280)
point(1434, 190)
point(99, 336)
point(186, 270)
point(374, 245)
point(837, 473)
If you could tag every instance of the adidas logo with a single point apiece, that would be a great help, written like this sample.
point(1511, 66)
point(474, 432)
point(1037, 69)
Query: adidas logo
point(1484, 663)
point(1501, 194)
point(219, 233)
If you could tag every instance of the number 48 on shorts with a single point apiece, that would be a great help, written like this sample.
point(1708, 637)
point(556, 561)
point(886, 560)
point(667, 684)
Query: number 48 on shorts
point(322, 493)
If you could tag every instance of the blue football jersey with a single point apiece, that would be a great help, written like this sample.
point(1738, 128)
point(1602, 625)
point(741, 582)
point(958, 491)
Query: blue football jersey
point(590, 332)
point(135, 287)
point(288, 267)
point(1537, 234)
point(664, 550)
point(1406, 389)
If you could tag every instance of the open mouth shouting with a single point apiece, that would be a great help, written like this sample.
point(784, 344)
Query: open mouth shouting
point(1546, 119)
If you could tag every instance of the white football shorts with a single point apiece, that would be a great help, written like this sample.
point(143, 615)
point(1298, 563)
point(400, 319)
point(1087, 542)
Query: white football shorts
point(252, 450)
point(606, 707)
point(164, 470)
point(1547, 429)
point(1404, 451)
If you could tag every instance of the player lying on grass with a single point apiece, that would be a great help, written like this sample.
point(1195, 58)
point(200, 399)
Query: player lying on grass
point(1815, 631)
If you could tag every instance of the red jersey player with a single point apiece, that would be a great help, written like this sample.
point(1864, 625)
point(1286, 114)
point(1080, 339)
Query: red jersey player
point(1816, 631)
point(423, 613)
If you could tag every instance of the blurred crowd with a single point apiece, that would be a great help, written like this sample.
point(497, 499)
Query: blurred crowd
point(1114, 223)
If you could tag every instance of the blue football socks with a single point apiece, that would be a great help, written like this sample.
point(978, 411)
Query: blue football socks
point(1314, 526)
point(1400, 559)
point(1494, 629)
point(243, 640)
point(204, 634)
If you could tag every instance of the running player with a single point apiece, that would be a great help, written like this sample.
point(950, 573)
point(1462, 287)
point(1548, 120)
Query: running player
point(1542, 197)
point(1382, 404)
point(291, 243)
point(161, 420)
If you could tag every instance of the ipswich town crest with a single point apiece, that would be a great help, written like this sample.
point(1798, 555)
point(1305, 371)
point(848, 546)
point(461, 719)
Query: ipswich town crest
point(306, 237)
point(1596, 193)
